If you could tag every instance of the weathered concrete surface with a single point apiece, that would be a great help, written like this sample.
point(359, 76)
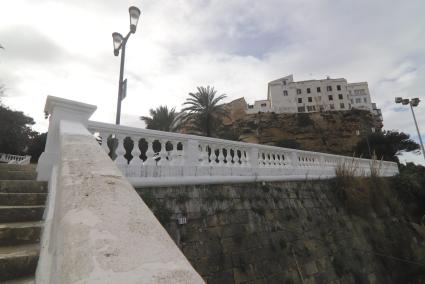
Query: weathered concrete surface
point(102, 230)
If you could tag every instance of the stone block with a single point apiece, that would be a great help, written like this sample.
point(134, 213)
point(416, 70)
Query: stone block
point(222, 277)
point(310, 268)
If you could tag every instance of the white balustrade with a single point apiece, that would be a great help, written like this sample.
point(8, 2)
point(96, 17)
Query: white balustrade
point(180, 158)
point(15, 159)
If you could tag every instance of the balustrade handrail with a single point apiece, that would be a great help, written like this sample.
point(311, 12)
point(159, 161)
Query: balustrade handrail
point(19, 159)
point(95, 126)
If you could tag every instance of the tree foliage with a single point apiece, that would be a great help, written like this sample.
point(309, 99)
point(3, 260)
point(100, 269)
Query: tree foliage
point(36, 146)
point(410, 186)
point(15, 131)
point(386, 145)
point(202, 112)
point(161, 118)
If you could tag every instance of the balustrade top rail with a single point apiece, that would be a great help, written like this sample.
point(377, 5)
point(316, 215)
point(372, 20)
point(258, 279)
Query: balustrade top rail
point(128, 131)
point(180, 157)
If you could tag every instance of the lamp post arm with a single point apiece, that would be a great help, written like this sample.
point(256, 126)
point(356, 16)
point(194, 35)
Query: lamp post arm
point(417, 129)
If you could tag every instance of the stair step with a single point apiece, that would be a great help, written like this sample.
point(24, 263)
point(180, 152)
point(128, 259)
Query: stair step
point(20, 233)
point(9, 214)
point(10, 199)
point(25, 186)
point(24, 280)
point(15, 167)
point(18, 261)
point(18, 175)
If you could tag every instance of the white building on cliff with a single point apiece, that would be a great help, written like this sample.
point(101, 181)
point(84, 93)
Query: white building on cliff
point(284, 95)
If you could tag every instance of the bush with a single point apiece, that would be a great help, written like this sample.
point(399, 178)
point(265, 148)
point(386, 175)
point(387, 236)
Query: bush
point(409, 186)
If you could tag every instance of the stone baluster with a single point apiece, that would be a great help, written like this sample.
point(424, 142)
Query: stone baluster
point(245, 158)
point(104, 137)
point(162, 153)
point(173, 154)
point(136, 161)
point(120, 152)
point(220, 156)
point(150, 158)
point(204, 155)
point(227, 160)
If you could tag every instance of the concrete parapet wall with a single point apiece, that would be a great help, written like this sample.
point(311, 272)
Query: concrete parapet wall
point(102, 230)
point(98, 230)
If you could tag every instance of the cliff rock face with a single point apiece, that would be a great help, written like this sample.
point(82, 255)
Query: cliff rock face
point(330, 132)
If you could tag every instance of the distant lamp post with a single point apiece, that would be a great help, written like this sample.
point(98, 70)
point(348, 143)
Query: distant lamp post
point(367, 139)
point(413, 103)
point(119, 44)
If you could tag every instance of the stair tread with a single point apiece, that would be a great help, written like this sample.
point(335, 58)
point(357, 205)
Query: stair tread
point(25, 280)
point(28, 224)
point(19, 251)
point(22, 193)
point(21, 206)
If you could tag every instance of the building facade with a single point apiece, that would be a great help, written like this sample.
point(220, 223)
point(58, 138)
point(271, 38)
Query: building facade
point(285, 95)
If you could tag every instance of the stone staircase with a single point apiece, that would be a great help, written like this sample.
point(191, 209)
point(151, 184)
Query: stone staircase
point(22, 201)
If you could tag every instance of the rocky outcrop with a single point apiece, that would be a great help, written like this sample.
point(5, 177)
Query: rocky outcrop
point(330, 132)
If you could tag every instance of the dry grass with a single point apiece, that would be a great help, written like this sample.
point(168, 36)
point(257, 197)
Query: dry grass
point(375, 166)
point(347, 170)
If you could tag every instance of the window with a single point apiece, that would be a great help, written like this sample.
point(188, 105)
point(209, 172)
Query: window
point(263, 105)
point(301, 109)
point(338, 87)
point(332, 106)
point(321, 108)
point(341, 105)
point(349, 106)
point(318, 89)
point(330, 97)
point(298, 91)
point(284, 82)
point(359, 92)
point(340, 97)
point(250, 106)
point(309, 108)
point(308, 91)
point(329, 88)
point(285, 93)
point(358, 101)
point(300, 100)
point(365, 100)
point(310, 99)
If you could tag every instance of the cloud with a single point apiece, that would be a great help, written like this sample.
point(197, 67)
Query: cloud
point(28, 45)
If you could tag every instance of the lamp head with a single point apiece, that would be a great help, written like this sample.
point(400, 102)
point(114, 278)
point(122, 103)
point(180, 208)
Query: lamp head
point(405, 101)
point(398, 100)
point(117, 39)
point(415, 102)
point(134, 18)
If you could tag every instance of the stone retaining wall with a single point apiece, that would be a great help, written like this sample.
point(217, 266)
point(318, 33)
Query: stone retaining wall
point(270, 233)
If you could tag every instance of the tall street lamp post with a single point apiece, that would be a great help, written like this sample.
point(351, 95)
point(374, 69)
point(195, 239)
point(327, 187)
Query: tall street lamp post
point(413, 103)
point(119, 43)
point(372, 129)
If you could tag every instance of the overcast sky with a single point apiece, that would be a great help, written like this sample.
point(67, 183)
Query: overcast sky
point(64, 48)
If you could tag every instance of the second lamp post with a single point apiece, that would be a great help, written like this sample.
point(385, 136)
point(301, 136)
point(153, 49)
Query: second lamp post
point(120, 43)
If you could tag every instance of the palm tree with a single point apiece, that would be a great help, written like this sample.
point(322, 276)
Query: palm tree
point(202, 112)
point(161, 119)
